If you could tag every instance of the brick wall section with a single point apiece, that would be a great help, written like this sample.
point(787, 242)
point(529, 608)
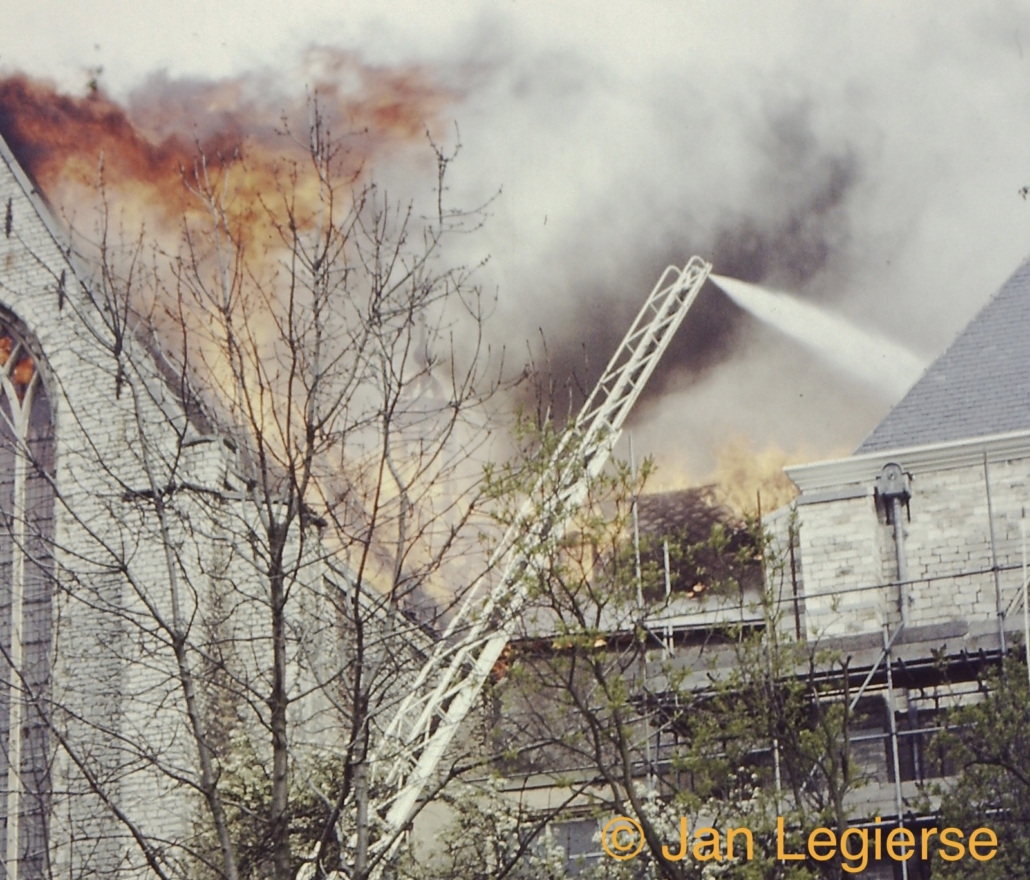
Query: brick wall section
point(92, 684)
point(113, 685)
point(840, 555)
point(83, 675)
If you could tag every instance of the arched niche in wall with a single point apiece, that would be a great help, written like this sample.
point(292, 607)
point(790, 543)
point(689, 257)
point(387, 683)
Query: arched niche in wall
point(26, 594)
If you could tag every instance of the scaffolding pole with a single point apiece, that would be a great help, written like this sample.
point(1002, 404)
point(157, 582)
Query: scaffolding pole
point(892, 726)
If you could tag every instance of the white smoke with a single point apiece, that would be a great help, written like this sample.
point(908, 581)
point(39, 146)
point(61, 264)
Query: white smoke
point(624, 136)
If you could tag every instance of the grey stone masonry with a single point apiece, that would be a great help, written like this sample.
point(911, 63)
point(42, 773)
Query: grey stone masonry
point(962, 532)
point(121, 763)
point(105, 565)
point(156, 552)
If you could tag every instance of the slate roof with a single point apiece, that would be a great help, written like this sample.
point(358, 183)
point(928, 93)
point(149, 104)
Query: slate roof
point(978, 387)
point(687, 513)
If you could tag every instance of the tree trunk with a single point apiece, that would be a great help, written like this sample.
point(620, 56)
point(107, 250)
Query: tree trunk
point(277, 704)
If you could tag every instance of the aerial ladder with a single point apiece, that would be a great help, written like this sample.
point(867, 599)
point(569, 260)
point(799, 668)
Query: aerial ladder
point(409, 753)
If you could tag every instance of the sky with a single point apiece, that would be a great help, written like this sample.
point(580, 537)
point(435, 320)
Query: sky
point(865, 157)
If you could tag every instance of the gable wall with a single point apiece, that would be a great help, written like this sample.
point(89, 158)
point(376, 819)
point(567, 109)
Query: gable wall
point(96, 455)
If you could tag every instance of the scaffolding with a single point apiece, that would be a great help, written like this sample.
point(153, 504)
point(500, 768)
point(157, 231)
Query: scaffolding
point(900, 680)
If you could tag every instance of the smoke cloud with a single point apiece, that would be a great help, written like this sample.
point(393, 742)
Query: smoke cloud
point(765, 190)
point(146, 147)
point(864, 159)
point(776, 145)
point(798, 223)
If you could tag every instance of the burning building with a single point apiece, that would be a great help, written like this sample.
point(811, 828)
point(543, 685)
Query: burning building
point(904, 560)
point(897, 579)
point(911, 553)
point(155, 616)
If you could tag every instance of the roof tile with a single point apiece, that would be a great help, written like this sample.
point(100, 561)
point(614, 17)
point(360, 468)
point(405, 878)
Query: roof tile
point(978, 387)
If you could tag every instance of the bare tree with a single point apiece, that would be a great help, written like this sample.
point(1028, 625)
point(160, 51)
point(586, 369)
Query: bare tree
point(268, 490)
point(657, 679)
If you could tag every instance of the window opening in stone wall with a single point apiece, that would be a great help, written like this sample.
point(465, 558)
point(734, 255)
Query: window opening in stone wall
point(26, 572)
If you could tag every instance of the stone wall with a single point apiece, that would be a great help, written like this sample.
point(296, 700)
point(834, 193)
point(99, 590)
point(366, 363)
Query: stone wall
point(120, 754)
point(962, 531)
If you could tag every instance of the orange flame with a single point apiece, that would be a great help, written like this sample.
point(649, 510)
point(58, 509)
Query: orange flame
point(742, 474)
point(244, 134)
point(149, 150)
point(151, 147)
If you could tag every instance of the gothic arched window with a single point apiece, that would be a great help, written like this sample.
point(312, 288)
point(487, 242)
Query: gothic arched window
point(26, 588)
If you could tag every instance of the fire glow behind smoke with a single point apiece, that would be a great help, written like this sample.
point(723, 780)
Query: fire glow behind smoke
point(871, 358)
point(217, 186)
point(148, 151)
point(183, 157)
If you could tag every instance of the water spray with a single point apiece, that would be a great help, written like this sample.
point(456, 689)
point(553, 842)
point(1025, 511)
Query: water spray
point(865, 355)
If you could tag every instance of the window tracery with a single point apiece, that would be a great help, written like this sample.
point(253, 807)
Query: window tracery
point(26, 570)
